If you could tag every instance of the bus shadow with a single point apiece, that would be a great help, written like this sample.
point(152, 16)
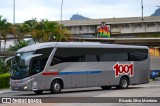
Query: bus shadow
point(101, 90)
point(156, 79)
point(76, 91)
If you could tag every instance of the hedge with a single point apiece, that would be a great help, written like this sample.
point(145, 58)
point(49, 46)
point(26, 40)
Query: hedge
point(4, 80)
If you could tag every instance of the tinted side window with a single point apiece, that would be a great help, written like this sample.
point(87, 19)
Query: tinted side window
point(74, 55)
point(38, 63)
point(90, 58)
point(114, 56)
point(107, 57)
point(98, 54)
point(138, 56)
point(121, 56)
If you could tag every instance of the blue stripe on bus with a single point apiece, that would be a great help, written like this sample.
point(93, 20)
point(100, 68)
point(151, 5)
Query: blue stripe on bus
point(80, 72)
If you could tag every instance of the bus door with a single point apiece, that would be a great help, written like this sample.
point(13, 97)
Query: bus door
point(38, 65)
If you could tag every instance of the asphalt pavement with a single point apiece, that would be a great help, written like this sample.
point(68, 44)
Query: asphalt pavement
point(91, 95)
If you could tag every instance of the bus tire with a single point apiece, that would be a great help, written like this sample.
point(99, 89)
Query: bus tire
point(153, 78)
point(56, 87)
point(124, 83)
point(38, 92)
point(106, 87)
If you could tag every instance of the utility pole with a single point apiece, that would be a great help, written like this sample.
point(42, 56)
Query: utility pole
point(142, 9)
point(13, 11)
point(61, 14)
point(61, 9)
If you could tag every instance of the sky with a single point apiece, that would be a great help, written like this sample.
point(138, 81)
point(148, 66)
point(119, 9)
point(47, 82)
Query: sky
point(94, 9)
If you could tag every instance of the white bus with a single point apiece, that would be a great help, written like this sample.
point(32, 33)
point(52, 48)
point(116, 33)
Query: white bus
point(58, 65)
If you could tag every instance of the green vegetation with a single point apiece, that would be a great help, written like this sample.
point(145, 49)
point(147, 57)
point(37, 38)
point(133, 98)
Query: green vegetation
point(46, 31)
point(43, 31)
point(4, 80)
point(2, 68)
point(4, 29)
point(17, 46)
point(4, 74)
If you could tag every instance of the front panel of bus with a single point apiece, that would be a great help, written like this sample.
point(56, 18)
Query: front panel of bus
point(29, 77)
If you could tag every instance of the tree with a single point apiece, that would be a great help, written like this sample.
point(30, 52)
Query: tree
point(2, 68)
point(47, 31)
point(4, 29)
point(35, 29)
point(52, 31)
point(18, 45)
point(22, 30)
point(43, 31)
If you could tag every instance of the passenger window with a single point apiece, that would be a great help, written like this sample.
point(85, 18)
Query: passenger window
point(121, 57)
point(97, 54)
point(138, 56)
point(114, 57)
point(90, 58)
point(107, 57)
point(55, 60)
point(75, 55)
point(38, 63)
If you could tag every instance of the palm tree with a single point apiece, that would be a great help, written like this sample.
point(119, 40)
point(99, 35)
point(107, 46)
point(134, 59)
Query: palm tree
point(52, 31)
point(46, 31)
point(43, 31)
point(49, 29)
point(12, 31)
point(35, 29)
point(22, 30)
point(4, 30)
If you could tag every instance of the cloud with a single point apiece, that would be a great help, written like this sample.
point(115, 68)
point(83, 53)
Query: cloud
point(108, 9)
point(51, 9)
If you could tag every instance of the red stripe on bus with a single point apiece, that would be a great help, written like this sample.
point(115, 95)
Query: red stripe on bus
point(50, 73)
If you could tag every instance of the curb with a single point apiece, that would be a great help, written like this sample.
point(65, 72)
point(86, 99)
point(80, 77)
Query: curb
point(5, 91)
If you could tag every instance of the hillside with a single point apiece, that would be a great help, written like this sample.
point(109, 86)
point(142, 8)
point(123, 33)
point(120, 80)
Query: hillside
point(78, 17)
point(156, 13)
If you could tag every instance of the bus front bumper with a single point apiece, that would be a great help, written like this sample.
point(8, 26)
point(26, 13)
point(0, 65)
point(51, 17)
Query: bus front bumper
point(20, 86)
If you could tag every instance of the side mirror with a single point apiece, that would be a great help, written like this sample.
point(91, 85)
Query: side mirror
point(27, 61)
point(9, 58)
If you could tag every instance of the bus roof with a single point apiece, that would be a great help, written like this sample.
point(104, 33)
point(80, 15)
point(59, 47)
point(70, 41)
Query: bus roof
point(75, 44)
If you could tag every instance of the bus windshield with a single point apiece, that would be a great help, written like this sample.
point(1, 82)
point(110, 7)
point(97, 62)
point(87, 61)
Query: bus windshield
point(19, 70)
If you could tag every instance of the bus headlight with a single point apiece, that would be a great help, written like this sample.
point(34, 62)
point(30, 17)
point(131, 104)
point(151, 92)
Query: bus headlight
point(25, 87)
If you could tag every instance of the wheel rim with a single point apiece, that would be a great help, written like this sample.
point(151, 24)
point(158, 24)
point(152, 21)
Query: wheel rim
point(124, 83)
point(56, 86)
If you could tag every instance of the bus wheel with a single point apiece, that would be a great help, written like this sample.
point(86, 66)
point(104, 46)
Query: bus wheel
point(124, 83)
point(153, 78)
point(106, 87)
point(38, 92)
point(56, 87)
